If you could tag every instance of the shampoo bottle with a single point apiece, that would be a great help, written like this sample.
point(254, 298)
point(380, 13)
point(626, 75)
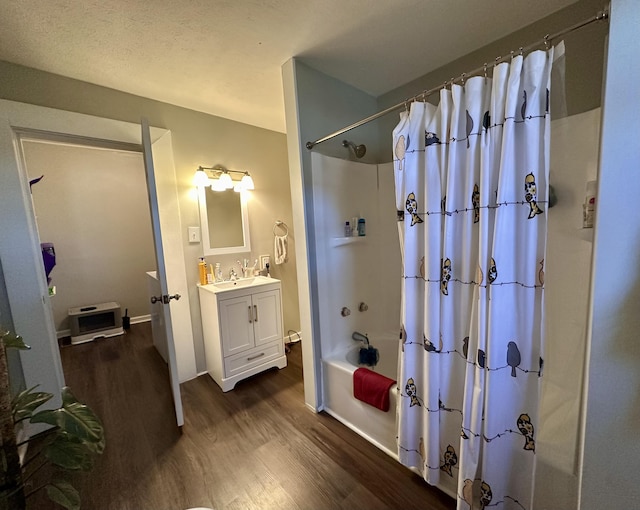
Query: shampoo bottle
point(589, 206)
point(361, 227)
point(202, 271)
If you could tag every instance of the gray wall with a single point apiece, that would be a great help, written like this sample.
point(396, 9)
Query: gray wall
point(317, 104)
point(198, 139)
point(584, 64)
point(92, 205)
point(612, 441)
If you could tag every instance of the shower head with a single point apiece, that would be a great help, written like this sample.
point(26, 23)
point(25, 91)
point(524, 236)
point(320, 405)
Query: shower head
point(358, 150)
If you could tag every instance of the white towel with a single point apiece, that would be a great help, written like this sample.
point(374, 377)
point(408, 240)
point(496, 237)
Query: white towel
point(280, 248)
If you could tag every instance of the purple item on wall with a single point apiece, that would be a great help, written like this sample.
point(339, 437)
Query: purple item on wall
point(48, 258)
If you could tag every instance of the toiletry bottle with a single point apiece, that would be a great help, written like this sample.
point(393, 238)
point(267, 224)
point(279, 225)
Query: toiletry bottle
point(361, 227)
point(347, 229)
point(589, 206)
point(354, 226)
point(202, 270)
point(218, 272)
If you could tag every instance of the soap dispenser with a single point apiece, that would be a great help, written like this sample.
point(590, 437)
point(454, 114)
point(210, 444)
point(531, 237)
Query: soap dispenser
point(218, 273)
point(202, 271)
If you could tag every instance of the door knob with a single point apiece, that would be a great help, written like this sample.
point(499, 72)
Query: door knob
point(164, 298)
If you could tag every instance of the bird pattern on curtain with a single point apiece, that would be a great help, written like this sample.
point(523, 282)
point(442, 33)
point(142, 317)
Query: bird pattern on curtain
point(471, 178)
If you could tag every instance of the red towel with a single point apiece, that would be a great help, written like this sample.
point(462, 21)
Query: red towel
point(372, 388)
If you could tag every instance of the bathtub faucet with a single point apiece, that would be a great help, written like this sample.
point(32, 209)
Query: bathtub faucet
point(359, 337)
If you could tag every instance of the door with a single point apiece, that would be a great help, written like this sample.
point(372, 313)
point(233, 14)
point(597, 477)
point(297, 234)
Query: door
point(236, 324)
point(20, 256)
point(267, 317)
point(165, 298)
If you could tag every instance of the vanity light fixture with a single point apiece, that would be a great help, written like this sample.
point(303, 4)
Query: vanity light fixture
point(221, 179)
point(247, 182)
point(201, 178)
point(217, 185)
point(225, 180)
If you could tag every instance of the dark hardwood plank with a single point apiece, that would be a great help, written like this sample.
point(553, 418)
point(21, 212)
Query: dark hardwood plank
point(256, 447)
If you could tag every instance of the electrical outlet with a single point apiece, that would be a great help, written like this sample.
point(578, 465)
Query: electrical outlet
point(194, 234)
point(264, 260)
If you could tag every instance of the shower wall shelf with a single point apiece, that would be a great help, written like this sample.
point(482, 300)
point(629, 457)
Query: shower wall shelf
point(341, 241)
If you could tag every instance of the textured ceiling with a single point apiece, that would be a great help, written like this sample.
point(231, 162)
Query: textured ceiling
point(224, 57)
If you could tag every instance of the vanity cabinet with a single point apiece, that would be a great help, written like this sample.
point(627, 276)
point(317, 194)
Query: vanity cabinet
point(242, 328)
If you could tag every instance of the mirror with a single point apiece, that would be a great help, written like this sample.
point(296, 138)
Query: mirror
point(224, 221)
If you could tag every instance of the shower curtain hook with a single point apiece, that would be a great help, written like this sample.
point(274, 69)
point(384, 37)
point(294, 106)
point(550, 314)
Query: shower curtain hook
point(462, 76)
point(485, 70)
point(512, 53)
point(546, 42)
point(521, 50)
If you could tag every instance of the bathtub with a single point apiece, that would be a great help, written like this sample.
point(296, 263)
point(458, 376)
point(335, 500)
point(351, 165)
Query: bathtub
point(377, 427)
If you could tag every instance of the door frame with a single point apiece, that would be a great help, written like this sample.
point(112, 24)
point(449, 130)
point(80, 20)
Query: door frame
point(20, 250)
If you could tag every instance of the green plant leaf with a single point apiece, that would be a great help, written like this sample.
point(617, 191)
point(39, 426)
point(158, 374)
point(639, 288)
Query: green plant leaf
point(69, 454)
point(12, 340)
point(27, 401)
point(68, 398)
point(64, 494)
point(75, 419)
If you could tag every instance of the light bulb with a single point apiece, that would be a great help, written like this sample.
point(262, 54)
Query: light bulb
point(247, 181)
point(216, 185)
point(225, 180)
point(201, 178)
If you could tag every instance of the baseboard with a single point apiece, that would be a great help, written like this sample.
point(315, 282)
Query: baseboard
point(313, 409)
point(63, 333)
point(293, 337)
point(140, 318)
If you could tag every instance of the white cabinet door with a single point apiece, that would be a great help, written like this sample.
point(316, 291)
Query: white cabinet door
point(267, 318)
point(236, 324)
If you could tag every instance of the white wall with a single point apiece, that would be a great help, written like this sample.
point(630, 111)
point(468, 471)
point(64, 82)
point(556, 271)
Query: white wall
point(92, 205)
point(360, 269)
point(612, 442)
point(574, 158)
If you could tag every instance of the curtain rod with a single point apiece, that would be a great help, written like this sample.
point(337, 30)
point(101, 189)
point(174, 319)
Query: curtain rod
point(600, 16)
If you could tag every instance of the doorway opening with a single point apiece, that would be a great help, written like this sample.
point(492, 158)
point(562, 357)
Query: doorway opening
point(90, 204)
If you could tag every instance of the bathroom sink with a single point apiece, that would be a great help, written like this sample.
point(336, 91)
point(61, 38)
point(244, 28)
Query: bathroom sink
point(234, 284)
point(240, 283)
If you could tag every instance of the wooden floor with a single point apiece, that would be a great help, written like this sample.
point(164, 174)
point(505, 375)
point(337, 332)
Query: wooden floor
point(256, 447)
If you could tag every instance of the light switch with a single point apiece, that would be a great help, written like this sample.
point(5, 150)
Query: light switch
point(194, 234)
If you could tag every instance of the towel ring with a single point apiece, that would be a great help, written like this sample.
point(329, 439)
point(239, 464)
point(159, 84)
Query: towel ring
point(282, 225)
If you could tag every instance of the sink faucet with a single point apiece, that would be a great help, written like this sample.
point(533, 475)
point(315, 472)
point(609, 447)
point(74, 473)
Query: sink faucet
point(233, 275)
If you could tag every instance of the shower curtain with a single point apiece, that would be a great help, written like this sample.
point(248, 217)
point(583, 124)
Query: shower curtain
point(472, 179)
